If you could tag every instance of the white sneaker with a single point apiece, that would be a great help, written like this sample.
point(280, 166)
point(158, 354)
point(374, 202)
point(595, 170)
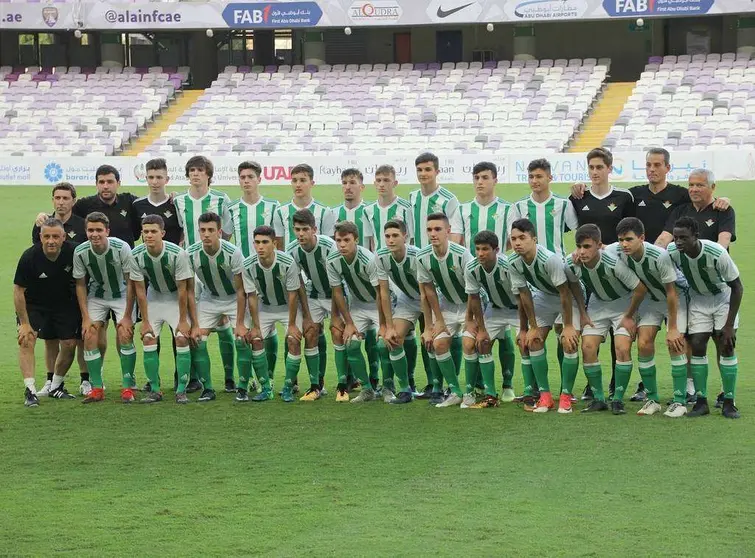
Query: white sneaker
point(468, 400)
point(388, 396)
point(450, 401)
point(676, 410)
point(85, 388)
point(650, 408)
point(364, 395)
point(508, 395)
point(323, 391)
point(45, 391)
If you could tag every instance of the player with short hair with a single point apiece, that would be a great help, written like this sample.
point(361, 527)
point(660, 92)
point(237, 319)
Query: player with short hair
point(45, 303)
point(388, 205)
point(354, 208)
point(302, 183)
point(533, 265)
point(353, 266)
point(218, 265)
point(101, 267)
point(441, 266)
point(158, 202)
point(168, 300)
point(715, 298)
point(666, 303)
point(272, 281)
point(615, 294)
point(488, 272)
point(397, 265)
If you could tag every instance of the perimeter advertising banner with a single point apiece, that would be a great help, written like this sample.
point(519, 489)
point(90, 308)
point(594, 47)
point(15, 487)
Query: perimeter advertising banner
point(339, 13)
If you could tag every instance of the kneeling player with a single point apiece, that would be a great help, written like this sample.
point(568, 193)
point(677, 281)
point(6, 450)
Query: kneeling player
point(715, 297)
point(489, 271)
point(169, 300)
point(533, 265)
point(615, 295)
point(397, 264)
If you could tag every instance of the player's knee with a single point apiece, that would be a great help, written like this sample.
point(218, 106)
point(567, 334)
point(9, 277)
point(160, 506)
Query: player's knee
point(258, 345)
point(149, 340)
point(293, 346)
point(68, 345)
point(311, 338)
point(442, 345)
point(698, 344)
point(646, 346)
point(181, 341)
point(468, 343)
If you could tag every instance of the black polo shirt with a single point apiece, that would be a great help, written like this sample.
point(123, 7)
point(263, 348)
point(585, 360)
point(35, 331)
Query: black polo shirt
point(167, 210)
point(75, 227)
point(654, 209)
point(119, 213)
point(711, 221)
point(605, 212)
point(48, 284)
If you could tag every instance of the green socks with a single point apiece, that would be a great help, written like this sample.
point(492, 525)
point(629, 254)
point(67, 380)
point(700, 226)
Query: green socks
point(649, 376)
point(322, 349)
point(539, 363)
point(622, 371)
point(594, 374)
point(152, 366)
point(448, 370)
point(471, 370)
point(293, 362)
point(399, 365)
point(244, 363)
point(487, 369)
point(528, 375)
point(202, 363)
point(569, 369)
point(260, 363)
point(679, 378)
point(357, 364)
point(371, 348)
point(94, 366)
point(410, 349)
point(428, 366)
point(271, 353)
point(436, 378)
point(226, 341)
point(128, 365)
point(729, 370)
point(506, 355)
point(385, 364)
point(183, 367)
point(340, 358)
point(699, 368)
point(456, 352)
point(312, 358)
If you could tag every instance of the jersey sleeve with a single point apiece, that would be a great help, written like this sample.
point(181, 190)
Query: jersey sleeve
point(372, 272)
point(79, 269)
point(472, 285)
point(293, 277)
point(382, 272)
point(573, 272)
point(666, 268)
point(278, 224)
point(23, 270)
point(237, 262)
point(555, 267)
point(570, 216)
point(127, 259)
point(368, 230)
point(517, 279)
point(328, 222)
point(35, 235)
point(80, 208)
point(183, 266)
point(423, 274)
point(630, 207)
point(727, 222)
point(135, 272)
point(727, 268)
point(334, 278)
point(226, 219)
point(179, 214)
point(626, 275)
point(454, 216)
point(250, 286)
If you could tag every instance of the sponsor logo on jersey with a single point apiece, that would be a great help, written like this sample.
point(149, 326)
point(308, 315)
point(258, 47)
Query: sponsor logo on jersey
point(641, 204)
point(43, 275)
point(585, 208)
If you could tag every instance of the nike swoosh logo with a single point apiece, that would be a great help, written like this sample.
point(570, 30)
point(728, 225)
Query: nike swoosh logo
point(445, 13)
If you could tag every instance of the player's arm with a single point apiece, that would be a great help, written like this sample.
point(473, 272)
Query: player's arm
point(674, 339)
point(19, 301)
point(191, 307)
point(238, 284)
point(81, 297)
point(126, 325)
point(576, 292)
point(569, 335)
point(735, 300)
point(294, 298)
point(183, 311)
point(253, 307)
point(339, 300)
point(638, 295)
point(140, 291)
point(667, 237)
point(384, 305)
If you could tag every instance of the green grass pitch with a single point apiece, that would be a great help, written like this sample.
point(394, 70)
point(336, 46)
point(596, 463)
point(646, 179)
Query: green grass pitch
point(378, 480)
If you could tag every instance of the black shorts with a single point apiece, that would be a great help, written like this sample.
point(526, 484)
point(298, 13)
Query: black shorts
point(63, 323)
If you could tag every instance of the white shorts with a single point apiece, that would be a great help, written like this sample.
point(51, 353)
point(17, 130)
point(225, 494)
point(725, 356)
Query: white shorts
point(364, 315)
point(99, 309)
point(548, 310)
point(606, 315)
point(455, 316)
point(319, 309)
point(654, 313)
point(212, 311)
point(272, 315)
point(407, 309)
point(163, 310)
point(708, 313)
point(497, 320)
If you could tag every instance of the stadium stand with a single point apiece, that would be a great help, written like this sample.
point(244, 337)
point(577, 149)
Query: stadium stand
point(496, 107)
point(690, 102)
point(81, 111)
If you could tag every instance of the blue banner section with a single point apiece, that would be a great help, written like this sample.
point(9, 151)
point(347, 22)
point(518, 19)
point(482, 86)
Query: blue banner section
point(633, 8)
point(277, 15)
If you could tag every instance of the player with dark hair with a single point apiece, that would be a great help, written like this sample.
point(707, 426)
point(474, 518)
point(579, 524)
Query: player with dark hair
point(158, 202)
point(302, 183)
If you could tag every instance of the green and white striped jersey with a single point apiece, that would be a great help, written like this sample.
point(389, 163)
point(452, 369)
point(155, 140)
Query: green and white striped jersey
point(496, 282)
point(379, 215)
point(495, 217)
point(403, 274)
point(284, 226)
point(246, 218)
point(163, 271)
point(359, 276)
point(440, 201)
point(708, 273)
point(445, 273)
point(654, 269)
point(189, 210)
point(609, 280)
point(216, 272)
point(107, 271)
point(313, 264)
point(545, 273)
point(272, 284)
point(551, 218)
point(358, 216)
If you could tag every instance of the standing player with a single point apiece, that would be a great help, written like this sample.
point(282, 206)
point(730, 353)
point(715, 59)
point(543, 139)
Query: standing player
point(353, 207)
point(169, 300)
point(442, 265)
point(158, 202)
point(397, 265)
point(45, 303)
point(615, 294)
point(488, 272)
point(715, 298)
point(218, 265)
point(533, 265)
point(656, 270)
point(105, 262)
point(354, 267)
point(200, 199)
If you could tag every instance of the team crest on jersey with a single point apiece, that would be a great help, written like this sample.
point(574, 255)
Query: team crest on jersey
point(71, 234)
point(124, 212)
point(437, 207)
point(709, 222)
point(168, 214)
point(68, 269)
point(667, 204)
point(612, 206)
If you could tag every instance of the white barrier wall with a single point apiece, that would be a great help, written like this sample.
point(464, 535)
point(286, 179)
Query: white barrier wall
point(455, 169)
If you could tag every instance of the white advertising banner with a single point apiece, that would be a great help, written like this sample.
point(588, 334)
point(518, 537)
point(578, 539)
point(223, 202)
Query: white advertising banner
point(455, 169)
